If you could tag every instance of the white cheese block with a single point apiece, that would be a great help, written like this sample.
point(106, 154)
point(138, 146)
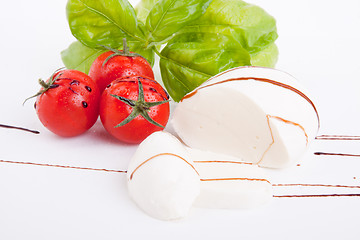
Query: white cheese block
point(261, 115)
point(161, 177)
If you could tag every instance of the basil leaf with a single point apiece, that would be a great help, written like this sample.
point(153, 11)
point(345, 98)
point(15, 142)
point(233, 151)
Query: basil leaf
point(138, 47)
point(266, 57)
point(249, 24)
point(80, 57)
point(143, 8)
point(102, 22)
point(168, 16)
point(191, 58)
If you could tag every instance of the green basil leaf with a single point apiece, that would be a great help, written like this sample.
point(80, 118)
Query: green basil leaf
point(102, 22)
point(143, 8)
point(138, 47)
point(249, 24)
point(191, 58)
point(266, 57)
point(80, 57)
point(168, 16)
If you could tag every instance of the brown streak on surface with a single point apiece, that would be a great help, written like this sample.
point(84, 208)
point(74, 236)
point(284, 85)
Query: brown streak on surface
point(158, 155)
point(316, 196)
point(337, 154)
point(61, 166)
point(216, 161)
point(235, 179)
point(19, 128)
point(312, 185)
point(337, 137)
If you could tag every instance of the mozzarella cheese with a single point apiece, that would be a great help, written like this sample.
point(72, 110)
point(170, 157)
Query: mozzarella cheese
point(229, 182)
point(161, 177)
point(261, 115)
point(165, 179)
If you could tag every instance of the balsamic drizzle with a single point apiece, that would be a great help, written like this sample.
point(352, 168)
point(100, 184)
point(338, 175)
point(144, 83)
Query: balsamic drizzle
point(337, 137)
point(19, 128)
point(63, 166)
point(312, 185)
point(322, 137)
point(317, 195)
point(337, 154)
point(275, 185)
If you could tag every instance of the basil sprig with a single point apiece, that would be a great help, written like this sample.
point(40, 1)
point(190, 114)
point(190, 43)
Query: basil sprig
point(202, 37)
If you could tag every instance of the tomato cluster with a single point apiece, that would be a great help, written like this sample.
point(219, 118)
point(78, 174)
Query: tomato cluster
point(120, 88)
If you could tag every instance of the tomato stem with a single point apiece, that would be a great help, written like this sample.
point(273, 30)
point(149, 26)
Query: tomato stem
point(125, 52)
point(46, 85)
point(139, 107)
point(125, 47)
point(43, 83)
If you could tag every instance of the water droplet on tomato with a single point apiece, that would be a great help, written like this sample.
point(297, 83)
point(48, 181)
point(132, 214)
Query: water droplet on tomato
point(88, 88)
point(84, 104)
point(75, 82)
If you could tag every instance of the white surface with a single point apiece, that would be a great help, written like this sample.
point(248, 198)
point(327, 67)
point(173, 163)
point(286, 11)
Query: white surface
point(319, 44)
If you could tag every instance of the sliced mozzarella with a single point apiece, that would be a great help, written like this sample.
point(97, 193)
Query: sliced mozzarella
point(229, 182)
point(261, 115)
point(161, 177)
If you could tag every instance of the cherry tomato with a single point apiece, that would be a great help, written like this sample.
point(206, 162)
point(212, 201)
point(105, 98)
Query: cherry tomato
point(117, 64)
point(134, 107)
point(68, 103)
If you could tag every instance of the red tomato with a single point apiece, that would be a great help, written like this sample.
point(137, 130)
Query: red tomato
point(134, 107)
point(117, 64)
point(68, 103)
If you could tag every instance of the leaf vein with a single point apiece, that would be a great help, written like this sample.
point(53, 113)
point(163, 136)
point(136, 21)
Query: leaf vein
point(110, 20)
point(162, 17)
point(88, 57)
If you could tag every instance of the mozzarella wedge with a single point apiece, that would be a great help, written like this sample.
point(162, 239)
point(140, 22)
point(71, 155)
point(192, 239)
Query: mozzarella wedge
point(161, 177)
point(165, 179)
point(228, 182)
point(261, 115)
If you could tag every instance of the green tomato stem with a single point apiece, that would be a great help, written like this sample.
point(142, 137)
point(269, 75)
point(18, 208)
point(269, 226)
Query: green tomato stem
point(125, 52)
point(46, 86)
point(139, 107)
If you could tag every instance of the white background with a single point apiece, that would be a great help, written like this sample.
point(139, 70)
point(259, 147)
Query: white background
point(319, 43)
